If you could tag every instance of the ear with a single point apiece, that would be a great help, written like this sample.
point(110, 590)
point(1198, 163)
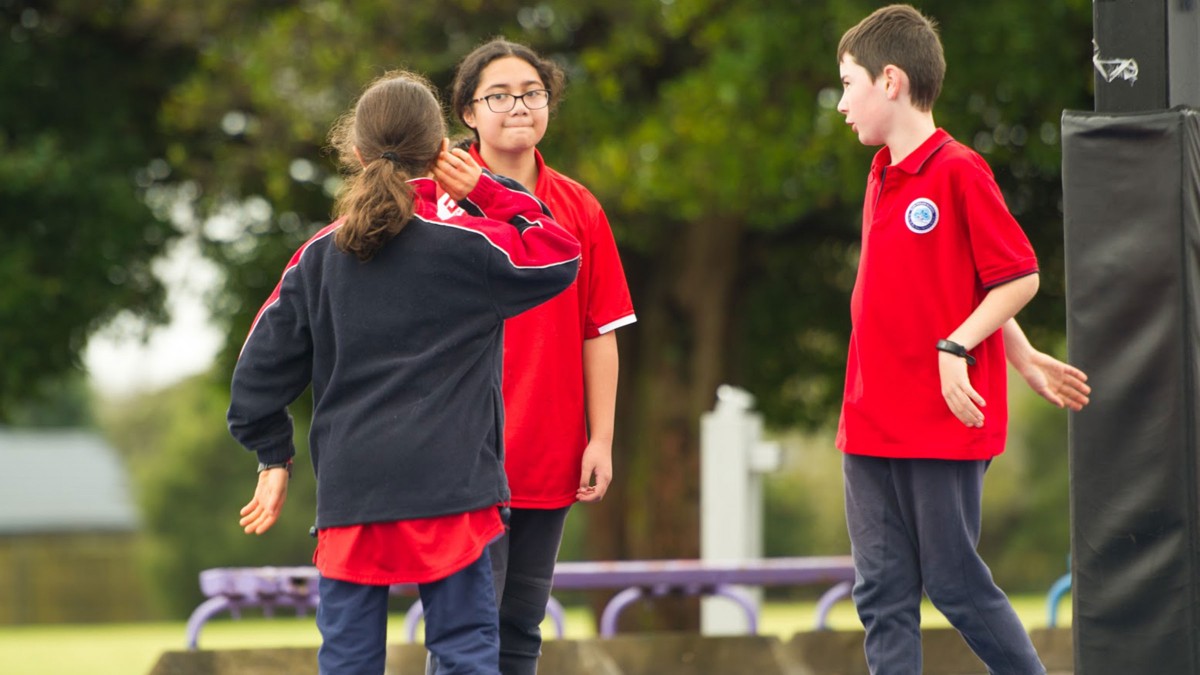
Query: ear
point(895, 81)
point(468, 117)
point(358, 154)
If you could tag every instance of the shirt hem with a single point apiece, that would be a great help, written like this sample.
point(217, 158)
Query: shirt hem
point(952, 454)
point(542, 504)
point(434, 575)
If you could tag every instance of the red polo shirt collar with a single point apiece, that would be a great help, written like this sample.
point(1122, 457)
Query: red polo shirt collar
point(916, 159)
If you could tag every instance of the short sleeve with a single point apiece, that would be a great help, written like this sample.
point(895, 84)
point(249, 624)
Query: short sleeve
point(999, 246)
point(609, 305)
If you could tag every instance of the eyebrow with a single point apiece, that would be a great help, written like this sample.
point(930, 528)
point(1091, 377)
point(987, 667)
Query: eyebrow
point(522, 85)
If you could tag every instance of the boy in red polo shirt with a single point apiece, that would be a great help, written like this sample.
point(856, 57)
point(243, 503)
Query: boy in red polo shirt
point(944, 268)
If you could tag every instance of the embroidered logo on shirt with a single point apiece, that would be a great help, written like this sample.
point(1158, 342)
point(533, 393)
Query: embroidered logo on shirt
point(447, 209)
point(921, 216)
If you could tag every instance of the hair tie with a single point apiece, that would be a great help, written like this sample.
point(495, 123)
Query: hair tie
point(391, 157)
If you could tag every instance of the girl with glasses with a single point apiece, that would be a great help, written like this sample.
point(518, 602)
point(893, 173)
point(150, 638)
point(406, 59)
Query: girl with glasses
point(560, 361)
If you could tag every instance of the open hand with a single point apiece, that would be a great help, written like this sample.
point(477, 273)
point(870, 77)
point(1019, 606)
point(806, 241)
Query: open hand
point(1059, 383)
point(261, 513)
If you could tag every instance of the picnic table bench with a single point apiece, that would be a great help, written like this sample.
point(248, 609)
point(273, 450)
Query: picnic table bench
point(232, 589)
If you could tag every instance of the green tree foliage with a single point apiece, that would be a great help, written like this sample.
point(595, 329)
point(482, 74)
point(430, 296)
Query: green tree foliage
point(707, 128)
point(191, 478)
point(78, 148)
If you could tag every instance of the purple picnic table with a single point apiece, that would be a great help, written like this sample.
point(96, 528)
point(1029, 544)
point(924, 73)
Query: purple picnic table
point(232, 589)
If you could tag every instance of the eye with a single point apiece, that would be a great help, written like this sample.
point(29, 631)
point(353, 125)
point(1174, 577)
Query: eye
point(498, 98)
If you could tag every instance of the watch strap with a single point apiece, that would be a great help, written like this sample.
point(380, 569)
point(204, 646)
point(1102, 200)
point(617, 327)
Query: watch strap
point(951, 347)
point(278, 465)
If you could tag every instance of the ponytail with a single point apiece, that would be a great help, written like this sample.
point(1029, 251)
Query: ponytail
point(375, 206)
point(393, 135)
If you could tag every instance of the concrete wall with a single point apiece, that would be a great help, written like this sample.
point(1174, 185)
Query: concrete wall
point(815, 653)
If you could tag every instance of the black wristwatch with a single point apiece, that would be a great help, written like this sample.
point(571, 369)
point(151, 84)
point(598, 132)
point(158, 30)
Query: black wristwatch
point(955, 349)
point(281, 465)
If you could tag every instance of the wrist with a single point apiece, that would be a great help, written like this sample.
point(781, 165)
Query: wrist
point(483, 192)
point(600, 442)
point(287, 466)
point(951, 347)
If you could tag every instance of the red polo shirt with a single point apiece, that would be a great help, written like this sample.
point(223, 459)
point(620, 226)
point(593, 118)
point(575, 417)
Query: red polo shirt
point(936, 236)
point(545, 425)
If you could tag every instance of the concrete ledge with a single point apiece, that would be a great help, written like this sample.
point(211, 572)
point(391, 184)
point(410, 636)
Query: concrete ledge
point(944, 652)
point(298, 660)
point(1056, 646)
point(812, 653)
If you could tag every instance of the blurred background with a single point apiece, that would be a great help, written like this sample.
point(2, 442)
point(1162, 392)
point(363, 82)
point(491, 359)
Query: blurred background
point(161, 159)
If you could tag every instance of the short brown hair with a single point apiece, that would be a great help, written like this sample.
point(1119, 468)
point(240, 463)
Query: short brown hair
point(899, 35)
point(466, 75)
point(397, 129)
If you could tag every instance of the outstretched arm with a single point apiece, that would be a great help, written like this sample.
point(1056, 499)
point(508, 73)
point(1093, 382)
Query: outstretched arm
point(1060, 383)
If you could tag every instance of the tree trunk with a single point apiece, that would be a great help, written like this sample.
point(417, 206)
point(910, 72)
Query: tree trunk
point(672, 361)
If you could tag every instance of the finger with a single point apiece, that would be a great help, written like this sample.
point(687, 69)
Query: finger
point(974, 396)
point(1078, 385)
point(966, 410)
point(264, 524)
point(257, 525)
point(1075, 400)
point(250, 518)
point(248, 524)
point(1053, 397)
point(249, 507)
point(445, 144)
point(601, 487)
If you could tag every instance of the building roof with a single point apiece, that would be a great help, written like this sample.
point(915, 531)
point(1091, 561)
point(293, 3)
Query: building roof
point(54, 481)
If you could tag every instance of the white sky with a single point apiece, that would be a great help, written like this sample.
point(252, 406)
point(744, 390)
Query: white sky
point(119, 363)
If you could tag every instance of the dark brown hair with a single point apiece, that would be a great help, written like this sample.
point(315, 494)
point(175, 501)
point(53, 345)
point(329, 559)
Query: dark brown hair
point(397, 128)
point(466, 75)
point(899, 35)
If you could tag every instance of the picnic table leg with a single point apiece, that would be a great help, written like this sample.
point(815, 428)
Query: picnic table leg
point(413, 617)
point(828, 600)
point(744, 601)
point(555, 609)
point(207, 610)
point(608, 618)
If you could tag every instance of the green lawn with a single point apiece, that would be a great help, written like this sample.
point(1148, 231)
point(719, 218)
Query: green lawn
point(132, 649)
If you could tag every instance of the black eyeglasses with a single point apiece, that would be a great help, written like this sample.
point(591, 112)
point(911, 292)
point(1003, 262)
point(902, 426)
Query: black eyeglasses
point(534, 99)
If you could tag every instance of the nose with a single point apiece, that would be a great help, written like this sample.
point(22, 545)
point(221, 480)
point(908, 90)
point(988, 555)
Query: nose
point(841, 106)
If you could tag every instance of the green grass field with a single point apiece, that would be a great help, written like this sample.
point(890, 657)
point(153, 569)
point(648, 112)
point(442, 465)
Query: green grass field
point(132, 649)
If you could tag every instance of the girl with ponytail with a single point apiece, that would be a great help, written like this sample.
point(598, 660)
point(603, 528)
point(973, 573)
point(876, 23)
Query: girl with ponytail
point(395, 317)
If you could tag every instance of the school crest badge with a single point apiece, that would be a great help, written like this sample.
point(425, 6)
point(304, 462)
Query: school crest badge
point(921, 216)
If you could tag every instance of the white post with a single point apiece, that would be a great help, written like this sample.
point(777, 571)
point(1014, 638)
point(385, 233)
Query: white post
point(732, 461)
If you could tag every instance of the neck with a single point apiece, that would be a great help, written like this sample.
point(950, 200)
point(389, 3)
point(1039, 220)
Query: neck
point(521, 167)
point(912, 131)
